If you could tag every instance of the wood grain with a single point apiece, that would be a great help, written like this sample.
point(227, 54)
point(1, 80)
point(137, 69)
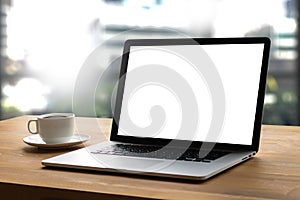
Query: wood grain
point(274, 173)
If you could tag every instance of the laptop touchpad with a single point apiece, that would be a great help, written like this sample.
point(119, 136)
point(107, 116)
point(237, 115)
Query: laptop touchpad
point(138, 164)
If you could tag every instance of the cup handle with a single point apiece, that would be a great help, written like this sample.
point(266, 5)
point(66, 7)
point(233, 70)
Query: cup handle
point(36, 125)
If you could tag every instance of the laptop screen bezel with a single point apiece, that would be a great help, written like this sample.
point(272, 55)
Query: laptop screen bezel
point(191, 41)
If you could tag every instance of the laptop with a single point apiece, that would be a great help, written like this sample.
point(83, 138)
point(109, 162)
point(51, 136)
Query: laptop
point(185, 108)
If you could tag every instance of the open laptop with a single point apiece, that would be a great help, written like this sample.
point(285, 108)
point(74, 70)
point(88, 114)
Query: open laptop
point(185, 108)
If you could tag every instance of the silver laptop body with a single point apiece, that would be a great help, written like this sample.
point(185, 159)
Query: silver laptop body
point(185, 108)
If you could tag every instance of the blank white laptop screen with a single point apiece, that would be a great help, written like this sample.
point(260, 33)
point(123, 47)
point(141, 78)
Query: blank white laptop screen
point(238, 66)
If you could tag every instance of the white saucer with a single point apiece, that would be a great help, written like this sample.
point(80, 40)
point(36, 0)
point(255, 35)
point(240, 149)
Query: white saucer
point(36, 140)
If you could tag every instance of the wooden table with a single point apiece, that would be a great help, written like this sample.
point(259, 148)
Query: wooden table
point(274, 173)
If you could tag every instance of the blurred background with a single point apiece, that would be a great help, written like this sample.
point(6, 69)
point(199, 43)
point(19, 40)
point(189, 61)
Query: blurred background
point(44, 44)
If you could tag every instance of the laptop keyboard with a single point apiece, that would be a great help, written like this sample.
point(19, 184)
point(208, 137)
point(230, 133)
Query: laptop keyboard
point(161, 153)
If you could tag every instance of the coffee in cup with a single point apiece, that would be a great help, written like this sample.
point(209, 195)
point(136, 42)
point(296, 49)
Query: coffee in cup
point(54, 127)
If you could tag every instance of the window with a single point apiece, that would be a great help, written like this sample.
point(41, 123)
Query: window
point(49, 41)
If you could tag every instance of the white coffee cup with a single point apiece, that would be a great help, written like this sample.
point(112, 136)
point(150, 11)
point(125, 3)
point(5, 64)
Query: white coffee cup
point(54, 127)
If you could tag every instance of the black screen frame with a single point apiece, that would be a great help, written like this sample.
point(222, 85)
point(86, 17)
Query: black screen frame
point(191, 41)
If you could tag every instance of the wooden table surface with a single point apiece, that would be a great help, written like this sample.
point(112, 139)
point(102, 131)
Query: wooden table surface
point(274, 173)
